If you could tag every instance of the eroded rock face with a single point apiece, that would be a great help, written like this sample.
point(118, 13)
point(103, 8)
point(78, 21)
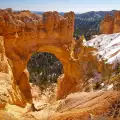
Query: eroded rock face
point(110, 24)
point(107, 25)
point(117, 22)
point(5, 76)
point(9, 91)
point(25, 33)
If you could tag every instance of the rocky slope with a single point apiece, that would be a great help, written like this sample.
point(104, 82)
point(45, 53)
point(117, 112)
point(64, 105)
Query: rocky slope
point(79, 106)
point(107, 47)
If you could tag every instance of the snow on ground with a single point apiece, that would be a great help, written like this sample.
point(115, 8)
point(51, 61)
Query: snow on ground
point(108, 47)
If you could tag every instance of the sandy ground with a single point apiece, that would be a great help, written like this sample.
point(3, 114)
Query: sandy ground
point(77, 106)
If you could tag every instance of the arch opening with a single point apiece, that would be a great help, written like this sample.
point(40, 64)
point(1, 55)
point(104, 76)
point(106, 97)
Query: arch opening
point(44, 69)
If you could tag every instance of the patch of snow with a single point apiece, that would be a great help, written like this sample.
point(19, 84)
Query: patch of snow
point(108, 47)
point(109, 87)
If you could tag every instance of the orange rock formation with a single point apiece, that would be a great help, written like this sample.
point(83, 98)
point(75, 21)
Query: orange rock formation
point(110, 24)
point(5, 75)
point(25, 33)
point(117, 22)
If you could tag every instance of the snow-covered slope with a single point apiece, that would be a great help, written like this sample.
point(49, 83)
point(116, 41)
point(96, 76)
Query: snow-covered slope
point(108, 47)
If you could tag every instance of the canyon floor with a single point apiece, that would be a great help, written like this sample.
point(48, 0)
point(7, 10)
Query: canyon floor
point(77, 106)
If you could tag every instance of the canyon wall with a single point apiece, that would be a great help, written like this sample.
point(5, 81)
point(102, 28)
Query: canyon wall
point(24, 33)
point(5, 75)
point(110, 24)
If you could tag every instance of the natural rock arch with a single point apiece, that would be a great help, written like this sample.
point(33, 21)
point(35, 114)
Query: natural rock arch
point(25, 33)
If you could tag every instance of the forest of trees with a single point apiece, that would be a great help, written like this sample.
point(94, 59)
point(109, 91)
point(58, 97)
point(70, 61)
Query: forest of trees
point(44, 68)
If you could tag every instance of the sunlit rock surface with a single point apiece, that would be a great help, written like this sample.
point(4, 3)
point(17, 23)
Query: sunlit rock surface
point(110, 24)
point(8, 92)
point(80, 106)
point(25, 33)
point(5, 76)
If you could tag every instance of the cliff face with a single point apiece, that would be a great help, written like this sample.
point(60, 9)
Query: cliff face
point(9, 92)
point(25, 33)
point(110, 24)
point(5, 75)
